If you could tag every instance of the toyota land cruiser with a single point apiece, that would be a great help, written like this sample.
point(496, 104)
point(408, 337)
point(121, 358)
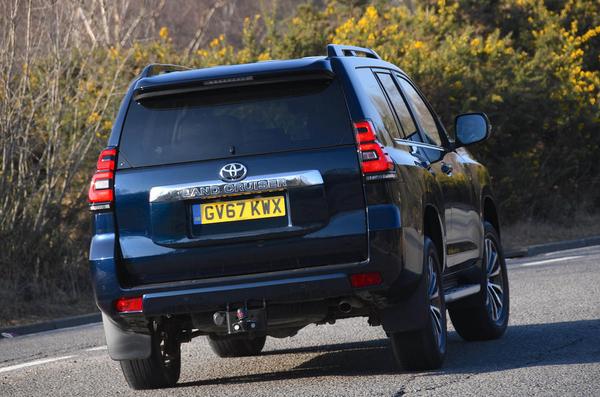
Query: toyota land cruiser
point(246, 201)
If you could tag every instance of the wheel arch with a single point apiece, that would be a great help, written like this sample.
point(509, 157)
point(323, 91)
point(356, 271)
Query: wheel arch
point(490, 212)
point(432, 227)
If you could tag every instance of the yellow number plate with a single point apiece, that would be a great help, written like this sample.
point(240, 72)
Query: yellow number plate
point(238, 210)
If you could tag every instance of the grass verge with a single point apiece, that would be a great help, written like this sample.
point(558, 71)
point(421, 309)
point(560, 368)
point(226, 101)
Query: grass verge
point(530, 232)
point(14, 313)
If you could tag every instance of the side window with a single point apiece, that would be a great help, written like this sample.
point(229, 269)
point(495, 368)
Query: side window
point(422, 113)
point(379, 102)
point(406, 121)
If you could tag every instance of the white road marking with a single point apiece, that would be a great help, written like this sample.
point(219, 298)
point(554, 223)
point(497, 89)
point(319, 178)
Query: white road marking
point(33, 363)
point(93, 349)
point(545, 261)
point(58, 330)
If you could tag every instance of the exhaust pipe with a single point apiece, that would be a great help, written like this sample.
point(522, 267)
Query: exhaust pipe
point(345, 306)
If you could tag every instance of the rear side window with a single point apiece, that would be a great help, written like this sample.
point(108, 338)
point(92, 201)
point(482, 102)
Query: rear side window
point(378, 100)
point(406, 120)
point(422, 113)
point(236, 121)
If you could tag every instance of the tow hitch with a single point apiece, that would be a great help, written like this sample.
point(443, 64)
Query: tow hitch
point(242, 319)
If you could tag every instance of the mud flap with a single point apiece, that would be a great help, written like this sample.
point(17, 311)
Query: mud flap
point(408, 315)
point(125, 345)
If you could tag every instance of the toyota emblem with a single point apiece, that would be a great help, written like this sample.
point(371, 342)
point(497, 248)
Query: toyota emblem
point(233, 172)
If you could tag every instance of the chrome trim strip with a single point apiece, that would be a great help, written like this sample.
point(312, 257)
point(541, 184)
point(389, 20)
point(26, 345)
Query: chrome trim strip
point(461, 292)
point(405, 142)
point(253, 184)
point(99, 207)
point(381, 177)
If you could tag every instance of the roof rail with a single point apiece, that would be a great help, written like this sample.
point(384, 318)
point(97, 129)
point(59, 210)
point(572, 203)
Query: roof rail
point(154, 69)
point(340, 50)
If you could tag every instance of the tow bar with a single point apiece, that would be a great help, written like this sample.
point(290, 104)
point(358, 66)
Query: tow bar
point(242, 319)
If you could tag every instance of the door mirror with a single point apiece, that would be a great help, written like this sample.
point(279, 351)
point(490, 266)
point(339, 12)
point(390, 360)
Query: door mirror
point(471, 128)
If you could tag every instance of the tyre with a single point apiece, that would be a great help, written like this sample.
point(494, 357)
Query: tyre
point(485, 316)
point(160, 370)
point(227, 346)
point(425, 349)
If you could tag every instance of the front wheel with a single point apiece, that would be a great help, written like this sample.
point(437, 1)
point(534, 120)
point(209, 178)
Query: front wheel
point(425, 348)
point(159, 370)
point(485, 315)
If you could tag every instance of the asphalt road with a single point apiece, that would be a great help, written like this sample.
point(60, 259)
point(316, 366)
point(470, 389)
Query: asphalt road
point(552, 347)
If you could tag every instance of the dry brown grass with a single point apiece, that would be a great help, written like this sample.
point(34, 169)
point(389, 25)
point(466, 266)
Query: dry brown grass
point(530, 232)
point(16, 313)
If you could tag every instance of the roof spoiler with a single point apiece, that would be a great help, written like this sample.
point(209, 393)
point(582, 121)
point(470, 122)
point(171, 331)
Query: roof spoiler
point(226, 81)
point(340, 50)
point(154, 69)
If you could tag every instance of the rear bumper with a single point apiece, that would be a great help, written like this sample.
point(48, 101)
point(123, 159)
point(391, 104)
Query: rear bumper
point(298, 289)
point(196, 296)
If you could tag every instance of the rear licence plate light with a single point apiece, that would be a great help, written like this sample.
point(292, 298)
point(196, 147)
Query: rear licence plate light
point(238, 210)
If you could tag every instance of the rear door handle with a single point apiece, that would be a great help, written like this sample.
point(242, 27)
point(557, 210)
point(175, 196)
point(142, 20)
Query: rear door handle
point(422, 161)
point(447, 168)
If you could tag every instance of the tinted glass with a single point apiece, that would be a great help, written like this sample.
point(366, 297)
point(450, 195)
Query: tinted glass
point(422, 113)
point(224, 123)
point(380, 103)
point(406, 121)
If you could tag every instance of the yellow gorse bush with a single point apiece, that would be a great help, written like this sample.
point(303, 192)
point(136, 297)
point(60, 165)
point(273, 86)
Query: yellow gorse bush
point(163, 33)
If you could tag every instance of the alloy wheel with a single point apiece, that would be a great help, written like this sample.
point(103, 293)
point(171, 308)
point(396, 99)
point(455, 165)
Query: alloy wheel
point(435, 305)
point(494, 281)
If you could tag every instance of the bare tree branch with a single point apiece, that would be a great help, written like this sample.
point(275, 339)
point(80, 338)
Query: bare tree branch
point(194, 44)
point(88, 27)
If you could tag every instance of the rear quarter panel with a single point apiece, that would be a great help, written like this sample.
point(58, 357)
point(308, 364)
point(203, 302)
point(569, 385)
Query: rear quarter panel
point(415, 187)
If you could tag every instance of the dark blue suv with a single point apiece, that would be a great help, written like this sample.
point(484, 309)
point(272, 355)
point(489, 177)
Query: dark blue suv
point(246, 201)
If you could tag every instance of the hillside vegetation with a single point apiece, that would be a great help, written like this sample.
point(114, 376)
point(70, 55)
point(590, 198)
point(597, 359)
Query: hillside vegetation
point(531, 65)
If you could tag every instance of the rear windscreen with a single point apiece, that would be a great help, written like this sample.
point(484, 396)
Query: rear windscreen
point(236, 121)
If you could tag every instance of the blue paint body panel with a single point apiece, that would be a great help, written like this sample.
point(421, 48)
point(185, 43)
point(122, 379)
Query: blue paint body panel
point(160, 250)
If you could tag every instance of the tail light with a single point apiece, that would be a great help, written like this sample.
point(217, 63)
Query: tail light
point(129, 305)
point(101, 194)
point(375, 163)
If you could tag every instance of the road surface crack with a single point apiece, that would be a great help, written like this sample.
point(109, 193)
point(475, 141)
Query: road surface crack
point(401, 392)
point(542, 355)
point(404, 392)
